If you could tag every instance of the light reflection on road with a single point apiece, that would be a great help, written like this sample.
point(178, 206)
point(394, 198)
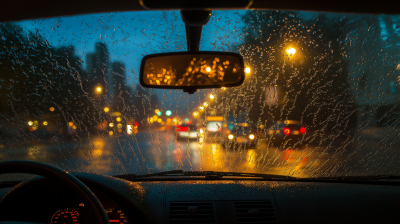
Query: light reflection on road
point(158, 151)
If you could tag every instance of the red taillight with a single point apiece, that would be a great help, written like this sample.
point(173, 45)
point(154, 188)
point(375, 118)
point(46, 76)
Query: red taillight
point(179, 128)
point(302, 130)
point(136, 124)
point(286, 131)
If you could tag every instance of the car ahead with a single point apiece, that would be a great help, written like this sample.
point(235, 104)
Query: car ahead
point(287, 134)
point(215, 62)
point(186, 132)
point(242, 134)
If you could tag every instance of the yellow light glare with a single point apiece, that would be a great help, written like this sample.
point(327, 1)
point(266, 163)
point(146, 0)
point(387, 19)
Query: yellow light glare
point(247, 70)
point(201, 131)
point(195, 114)
point(99, 89)
point(30, 123)
point(106, 109)
point(111, 125)
point(45, 123)
point(205, 104)
point(118, 119)
point(201, 108)
point(230, 137)
point(70, 123)
point(223, 88)
point(159, 120)
point(291, 51)
point(212, 96)
point(119, 125)
point(251, 136)
point(51, 109)
point(110, 132)
point(208, 69)
point(156, 111)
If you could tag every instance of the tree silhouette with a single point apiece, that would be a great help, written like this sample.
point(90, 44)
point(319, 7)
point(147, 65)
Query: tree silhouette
point(312, 84)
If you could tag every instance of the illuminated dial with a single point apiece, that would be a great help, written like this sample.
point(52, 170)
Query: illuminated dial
point(65, 216)
point(116, 215)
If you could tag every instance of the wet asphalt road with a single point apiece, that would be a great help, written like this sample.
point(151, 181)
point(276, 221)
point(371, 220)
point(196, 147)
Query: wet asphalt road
point(147, 152)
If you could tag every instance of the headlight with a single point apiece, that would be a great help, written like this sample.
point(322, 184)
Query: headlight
point(251, 137)
point(201, 131)
point(230, 137)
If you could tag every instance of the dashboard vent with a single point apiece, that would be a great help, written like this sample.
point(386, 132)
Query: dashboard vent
point(191, 212)
point(255, 212)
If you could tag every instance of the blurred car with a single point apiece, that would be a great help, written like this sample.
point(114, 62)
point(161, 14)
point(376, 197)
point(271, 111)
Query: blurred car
point(186, 132)
point(286, 134)
point(242, 133)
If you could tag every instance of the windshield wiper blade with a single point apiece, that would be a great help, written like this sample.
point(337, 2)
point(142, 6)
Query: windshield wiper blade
point(206, 174)
point(134, 176)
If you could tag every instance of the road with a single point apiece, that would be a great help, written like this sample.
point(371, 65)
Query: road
point(148, 152)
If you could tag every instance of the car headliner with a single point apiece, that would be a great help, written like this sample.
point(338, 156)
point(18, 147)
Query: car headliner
point(28, 9)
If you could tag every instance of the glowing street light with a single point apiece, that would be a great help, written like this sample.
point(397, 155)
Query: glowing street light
point(30, 123)
point(51, 109)
point(195, 114)
point(111, 125)
point(106, 109)
point(99, 89)
point(247, 70)
point(45, 123)
point(205, 104)
point(208, 69)
point(118, 119)
point(201, 108)
point(212, 96)
point(291, 51)
point(223, 88)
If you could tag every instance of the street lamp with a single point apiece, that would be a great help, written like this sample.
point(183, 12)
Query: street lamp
point(212, 96)
point(201, 108)
point(291, 51)
point(205, 104)
point(98, 89)
point(195, 114)
point(208, 69)
point(247, 70)
point(106, 109)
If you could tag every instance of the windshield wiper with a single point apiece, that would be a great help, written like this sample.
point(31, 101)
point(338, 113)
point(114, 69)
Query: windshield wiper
point(207, 174)
point(212, 175)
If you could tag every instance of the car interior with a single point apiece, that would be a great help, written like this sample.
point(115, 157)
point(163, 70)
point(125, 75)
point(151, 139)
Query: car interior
point(332, 187)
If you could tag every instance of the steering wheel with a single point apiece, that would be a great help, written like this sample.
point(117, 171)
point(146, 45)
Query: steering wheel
point(61, 176)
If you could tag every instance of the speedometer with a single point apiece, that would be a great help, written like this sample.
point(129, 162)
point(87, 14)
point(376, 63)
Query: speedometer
point(65, 216)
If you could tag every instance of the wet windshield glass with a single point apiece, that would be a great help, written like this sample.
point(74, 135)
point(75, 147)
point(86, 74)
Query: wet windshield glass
point(71, 97)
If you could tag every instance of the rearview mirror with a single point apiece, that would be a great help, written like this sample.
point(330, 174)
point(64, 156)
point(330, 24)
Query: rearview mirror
point(192, 70)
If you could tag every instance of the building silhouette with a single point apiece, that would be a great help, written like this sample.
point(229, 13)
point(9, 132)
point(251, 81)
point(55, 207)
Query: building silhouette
point(97, 68)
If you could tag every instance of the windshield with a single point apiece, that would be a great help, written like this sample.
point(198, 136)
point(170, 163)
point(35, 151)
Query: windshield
point(70, 95)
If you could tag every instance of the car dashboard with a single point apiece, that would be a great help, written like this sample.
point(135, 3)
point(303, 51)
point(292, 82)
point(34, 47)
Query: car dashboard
point(205, 201)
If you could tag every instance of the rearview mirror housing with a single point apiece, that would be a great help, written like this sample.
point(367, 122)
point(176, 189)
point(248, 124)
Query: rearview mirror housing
point(190, 71)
